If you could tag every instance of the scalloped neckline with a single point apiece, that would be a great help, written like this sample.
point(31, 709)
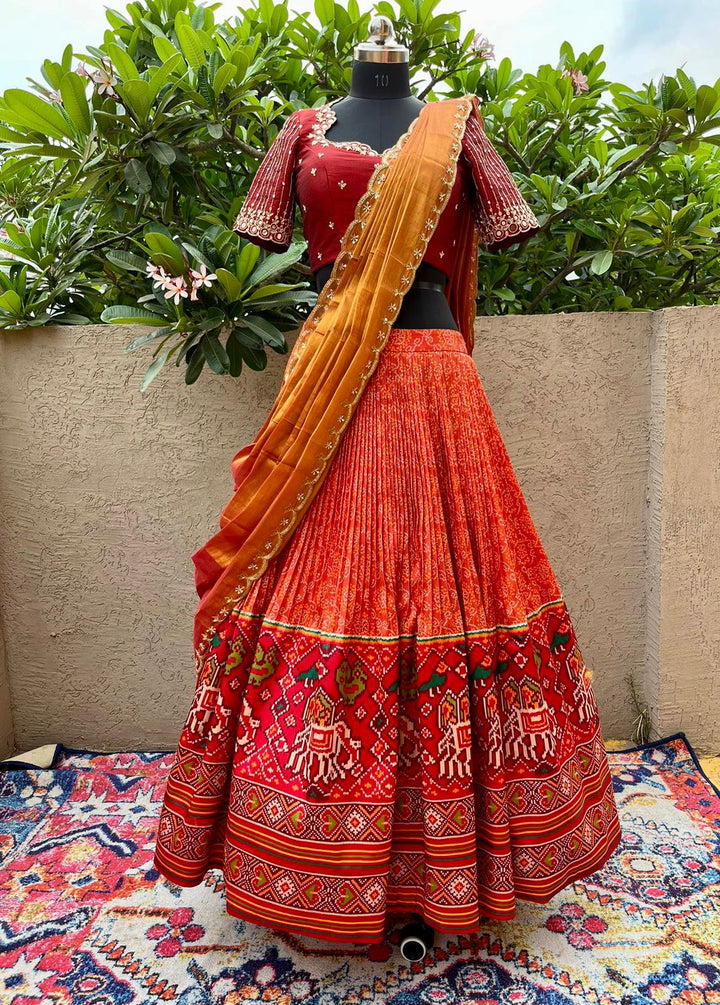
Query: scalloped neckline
point(322, 127)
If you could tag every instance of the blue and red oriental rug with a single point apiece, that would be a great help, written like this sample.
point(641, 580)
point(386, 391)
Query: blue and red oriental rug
point(85, 919)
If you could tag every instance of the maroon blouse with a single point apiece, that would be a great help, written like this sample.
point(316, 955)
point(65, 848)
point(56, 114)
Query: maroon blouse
point(327, 178)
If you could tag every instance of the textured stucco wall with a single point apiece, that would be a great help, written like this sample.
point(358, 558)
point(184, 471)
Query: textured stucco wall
point(571, 397)
point(105, 493)
point(686, 605)
point(7, 729)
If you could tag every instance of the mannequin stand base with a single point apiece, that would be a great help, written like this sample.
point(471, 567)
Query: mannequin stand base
point(416, 939)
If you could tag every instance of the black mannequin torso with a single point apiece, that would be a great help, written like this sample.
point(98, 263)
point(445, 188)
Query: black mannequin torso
point(377, 111)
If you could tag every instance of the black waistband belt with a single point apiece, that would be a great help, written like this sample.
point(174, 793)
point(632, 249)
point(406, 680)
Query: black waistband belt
point(426, 284)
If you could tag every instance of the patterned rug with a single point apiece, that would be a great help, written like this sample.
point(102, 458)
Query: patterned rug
point(85, 920)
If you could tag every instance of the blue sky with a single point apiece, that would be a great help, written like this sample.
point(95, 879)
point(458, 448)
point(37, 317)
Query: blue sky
point(642, 38)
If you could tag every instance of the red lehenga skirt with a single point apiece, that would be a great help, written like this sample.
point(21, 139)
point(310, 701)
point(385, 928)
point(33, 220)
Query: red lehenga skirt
point(397, 716)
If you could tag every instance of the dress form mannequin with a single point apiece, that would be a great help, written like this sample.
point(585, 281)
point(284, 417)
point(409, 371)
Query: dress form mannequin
point(378, 109)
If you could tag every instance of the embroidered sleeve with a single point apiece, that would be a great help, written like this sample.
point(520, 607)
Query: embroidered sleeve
point(267, 215)
point(502, 215)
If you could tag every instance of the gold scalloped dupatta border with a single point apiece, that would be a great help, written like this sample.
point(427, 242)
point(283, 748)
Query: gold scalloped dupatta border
point(278, 475)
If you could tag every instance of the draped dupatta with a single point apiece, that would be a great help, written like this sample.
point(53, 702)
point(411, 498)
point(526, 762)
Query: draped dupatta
point(277, 476)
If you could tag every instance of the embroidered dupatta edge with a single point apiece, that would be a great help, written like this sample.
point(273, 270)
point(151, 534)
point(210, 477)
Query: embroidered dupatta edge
point(311, 357)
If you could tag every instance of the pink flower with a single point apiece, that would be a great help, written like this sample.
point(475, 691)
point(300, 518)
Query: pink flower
point(54, 96)
point(103, 78)
point(159, 274)
point(482, 47)
point(4, 237)
point(175, 287)
point(202, 278)
point(578, 78)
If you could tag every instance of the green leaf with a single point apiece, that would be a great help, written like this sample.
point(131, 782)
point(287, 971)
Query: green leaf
point(705, 102)
point(31, 112)
point(153, 28)
point(137, 94)
point(688, 85)
point(162, 75)
point(601, 262)
point(120, 314)
point(162, 152)
point(198, 17)
point(267, 331)
point(215, 354)
point(11, 303)
point(165, 49)
point(123, 62)
point(137, 177)
point(126, 260)
point(75, 103)
point(503, 73)
point(195, 365)
point(149, 337)
point(234, 352)
point(154, 369)
point(267, 291)
point(191, 45)
point(53, 73)
point(214, 318)
point(243, 337)
point(233, 287)
point(222, 78)
point(325, 11)
point(115, 19)
point(256, 359)
point(165, 252)
point(46, 150)
point(274, 263)
point(590, 228)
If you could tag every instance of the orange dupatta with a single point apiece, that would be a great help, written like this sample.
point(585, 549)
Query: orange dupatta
point(278, 475)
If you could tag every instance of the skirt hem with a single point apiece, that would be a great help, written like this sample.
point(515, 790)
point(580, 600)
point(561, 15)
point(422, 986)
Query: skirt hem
point(402, 907)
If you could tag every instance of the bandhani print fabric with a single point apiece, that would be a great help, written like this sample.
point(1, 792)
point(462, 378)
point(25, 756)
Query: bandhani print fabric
point(397, 716)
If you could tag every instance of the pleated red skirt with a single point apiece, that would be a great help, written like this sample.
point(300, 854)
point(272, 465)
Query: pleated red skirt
point(397, 716)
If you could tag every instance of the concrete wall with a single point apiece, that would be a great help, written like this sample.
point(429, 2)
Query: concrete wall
point(683, 662)
point(610, 421)
point(7, 728)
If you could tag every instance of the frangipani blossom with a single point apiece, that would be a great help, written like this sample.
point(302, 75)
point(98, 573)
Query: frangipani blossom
point(176, 287)
point(159, 274)
point(578, 78)
point(482, 47)
point(202, 278)
point(103, 78)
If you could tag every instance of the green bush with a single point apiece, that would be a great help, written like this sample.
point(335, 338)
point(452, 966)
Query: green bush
point(130, 166)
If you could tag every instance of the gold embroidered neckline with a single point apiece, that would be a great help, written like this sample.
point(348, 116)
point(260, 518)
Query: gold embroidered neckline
point(324, 117)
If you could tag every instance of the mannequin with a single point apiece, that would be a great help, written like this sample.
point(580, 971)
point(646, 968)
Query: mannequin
point(391, 711)
point(378, 109)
